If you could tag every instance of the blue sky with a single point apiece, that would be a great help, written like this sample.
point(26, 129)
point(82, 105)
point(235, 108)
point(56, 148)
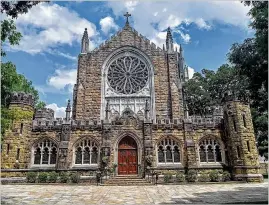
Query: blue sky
point(47, 54)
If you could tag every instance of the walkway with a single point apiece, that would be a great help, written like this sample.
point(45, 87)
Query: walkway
point(160, 194)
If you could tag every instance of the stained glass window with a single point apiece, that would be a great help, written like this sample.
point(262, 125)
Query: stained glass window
point(127, 74)
point(45, 153)
point(168, 151)
point(86, 152)
point(209, 151)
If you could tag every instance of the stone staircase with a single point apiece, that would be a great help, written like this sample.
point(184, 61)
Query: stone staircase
point(126, 180)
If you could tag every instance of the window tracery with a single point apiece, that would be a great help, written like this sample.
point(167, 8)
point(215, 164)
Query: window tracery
point(210, 151)
point(45, 153)
point(127, 74)
point(168, 151)
point(86, 152)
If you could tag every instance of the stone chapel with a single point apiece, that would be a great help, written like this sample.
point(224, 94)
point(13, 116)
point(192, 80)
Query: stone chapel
point(128, 111)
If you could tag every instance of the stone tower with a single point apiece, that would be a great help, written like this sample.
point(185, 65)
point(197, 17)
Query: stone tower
point(241, 144)
point(21, 109)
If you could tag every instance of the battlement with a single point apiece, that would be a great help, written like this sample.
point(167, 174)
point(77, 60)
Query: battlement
point(44, 113)
point(41, 124)
point(22, 98)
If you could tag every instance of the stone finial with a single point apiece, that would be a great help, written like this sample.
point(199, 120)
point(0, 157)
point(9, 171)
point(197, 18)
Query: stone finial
point(169, 41)
point(68, 110)
point(85, 42)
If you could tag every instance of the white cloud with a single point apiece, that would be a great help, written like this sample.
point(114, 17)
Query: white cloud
point(202, 24)
point(204, 14)
point(58, 111)
point(63, 79)
point(49, 25)
point(108, 24)
point(185, 37)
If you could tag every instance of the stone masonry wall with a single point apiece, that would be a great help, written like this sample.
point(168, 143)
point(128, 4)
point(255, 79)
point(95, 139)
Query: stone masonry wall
point(88, 101)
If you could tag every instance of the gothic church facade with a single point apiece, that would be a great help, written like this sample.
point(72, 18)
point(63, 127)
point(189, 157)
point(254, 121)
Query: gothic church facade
point(128, 110)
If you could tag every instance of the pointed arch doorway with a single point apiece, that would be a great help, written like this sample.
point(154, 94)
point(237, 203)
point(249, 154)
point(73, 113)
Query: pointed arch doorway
point(127, 156)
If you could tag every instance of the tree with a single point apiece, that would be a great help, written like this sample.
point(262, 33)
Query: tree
point(251, 57)
point(40, 105)
point(206, 90)
point(14, 82)
point(14, 8)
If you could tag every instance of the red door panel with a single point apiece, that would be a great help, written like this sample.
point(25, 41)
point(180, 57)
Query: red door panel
point(127, 156)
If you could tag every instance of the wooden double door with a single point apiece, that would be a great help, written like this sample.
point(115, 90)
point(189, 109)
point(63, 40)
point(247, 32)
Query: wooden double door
point(127, 156)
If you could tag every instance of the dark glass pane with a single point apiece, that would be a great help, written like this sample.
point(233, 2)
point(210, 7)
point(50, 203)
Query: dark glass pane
point(169, 155)
point(45, 157)
point(94, 155)
point(218, 154)
point(210, 154)
point(86, 158)
point(53, 156)
point(202, 154)
point(37, 156)
point(160, 155)
point(78, 156)
point(176, 155)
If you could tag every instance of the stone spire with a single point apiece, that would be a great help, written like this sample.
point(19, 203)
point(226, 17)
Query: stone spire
point(68, 111)
point(85, 42)
point(169, 41)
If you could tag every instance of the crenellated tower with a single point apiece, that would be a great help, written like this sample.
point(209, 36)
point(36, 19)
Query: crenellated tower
point(21, 111)
point(241, 143)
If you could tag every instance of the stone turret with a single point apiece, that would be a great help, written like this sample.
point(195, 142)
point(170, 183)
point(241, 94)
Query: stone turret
point(169, 41)
point(241, 143)
point(14, 154)
point(85, 42)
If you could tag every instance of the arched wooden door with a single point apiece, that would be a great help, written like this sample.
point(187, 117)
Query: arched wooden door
point(127, 156)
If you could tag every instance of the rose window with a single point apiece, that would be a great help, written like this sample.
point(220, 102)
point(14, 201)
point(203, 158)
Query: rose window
point(127, 75)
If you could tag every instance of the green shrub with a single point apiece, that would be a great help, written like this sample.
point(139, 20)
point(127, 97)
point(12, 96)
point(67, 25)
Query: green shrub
point(180, 177)
point(75, 177)
point(192, 176)
point(52, 177)
point(31, 177)
point(64, 176)
point(203, 177)
point(226, 176)
point(214, 176)
point(42, 177)
point(167, 177)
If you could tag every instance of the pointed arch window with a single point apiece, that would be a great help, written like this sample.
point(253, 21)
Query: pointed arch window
point(168, 151)
point(210, 151)
point(86, 152)
point(45, 153)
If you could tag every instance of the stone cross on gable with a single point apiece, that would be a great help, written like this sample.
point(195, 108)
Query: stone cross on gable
point(127, 15)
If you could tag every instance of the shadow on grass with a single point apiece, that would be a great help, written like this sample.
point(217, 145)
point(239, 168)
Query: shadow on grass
point(241, 195)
